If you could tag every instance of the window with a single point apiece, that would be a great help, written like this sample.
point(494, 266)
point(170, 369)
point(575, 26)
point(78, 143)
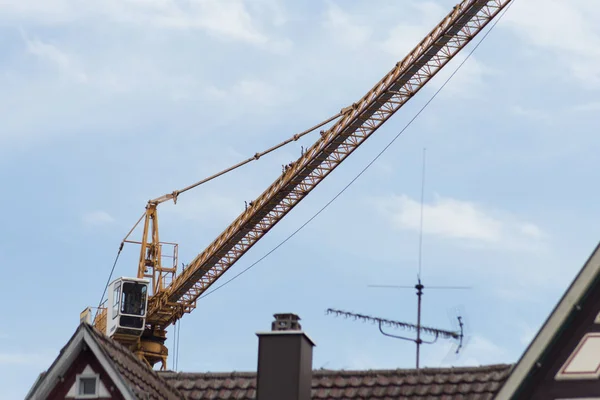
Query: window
point(115, 306)
point(133, 300)
point(87, 386)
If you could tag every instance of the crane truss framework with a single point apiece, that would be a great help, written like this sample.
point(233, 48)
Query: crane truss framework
point(358, 122)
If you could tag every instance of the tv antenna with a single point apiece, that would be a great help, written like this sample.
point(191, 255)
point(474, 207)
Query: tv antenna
point(419, 327)
point(436, 332)
point(459, 321)
point(419, 288)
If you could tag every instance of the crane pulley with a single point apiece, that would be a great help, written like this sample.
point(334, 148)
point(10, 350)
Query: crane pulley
point(172, 295)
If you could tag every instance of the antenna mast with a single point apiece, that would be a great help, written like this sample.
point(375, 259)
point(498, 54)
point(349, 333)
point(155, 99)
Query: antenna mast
point(421, 219)
point(418, 327)
point(419, 286)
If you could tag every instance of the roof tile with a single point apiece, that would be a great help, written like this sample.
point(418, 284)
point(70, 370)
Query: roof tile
point(468, 383)
point(142, 380)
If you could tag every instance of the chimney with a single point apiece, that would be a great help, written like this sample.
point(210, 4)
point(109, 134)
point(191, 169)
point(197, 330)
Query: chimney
point(284, 361)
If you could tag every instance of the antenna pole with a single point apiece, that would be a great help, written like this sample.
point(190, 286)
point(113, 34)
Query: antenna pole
point(419, 288)
point(421, 220)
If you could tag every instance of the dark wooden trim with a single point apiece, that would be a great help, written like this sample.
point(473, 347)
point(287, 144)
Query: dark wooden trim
point(541, 383)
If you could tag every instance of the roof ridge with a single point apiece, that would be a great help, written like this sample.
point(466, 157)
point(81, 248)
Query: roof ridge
point(225, 374)
point(354, 372)
point(424, 370)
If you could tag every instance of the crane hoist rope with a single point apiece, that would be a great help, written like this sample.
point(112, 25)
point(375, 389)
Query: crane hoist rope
point(173, 195)
point(139, 309)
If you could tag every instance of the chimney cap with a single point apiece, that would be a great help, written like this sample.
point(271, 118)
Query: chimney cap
point(291, 316)
point(286, 322)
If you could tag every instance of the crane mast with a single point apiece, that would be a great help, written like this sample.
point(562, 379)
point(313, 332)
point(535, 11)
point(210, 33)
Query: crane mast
point(172, 296)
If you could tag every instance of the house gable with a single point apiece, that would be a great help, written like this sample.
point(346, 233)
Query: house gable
point(563, 361)
point(85, 365)
point(80, 352)
point(123, 374)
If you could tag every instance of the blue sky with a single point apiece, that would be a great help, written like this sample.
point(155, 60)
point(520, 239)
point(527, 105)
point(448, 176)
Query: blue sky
point(106, 105)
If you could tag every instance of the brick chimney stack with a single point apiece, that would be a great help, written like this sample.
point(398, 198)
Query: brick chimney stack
point(284, 361)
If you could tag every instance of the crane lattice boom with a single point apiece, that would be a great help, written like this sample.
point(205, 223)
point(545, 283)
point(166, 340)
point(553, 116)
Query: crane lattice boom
point(356, 125)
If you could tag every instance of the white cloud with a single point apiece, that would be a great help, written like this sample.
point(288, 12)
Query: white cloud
point(550, 116)
point(401, 40)
point(229, 20)
point(224, 19)
point(50, 11)
point(531, 113)
point(457, 219)
point(272, 10)
point(587, 107)
point(98, 217)
point(56, 57)
point(404, 36)
point(254, 91)
point(568, 29)
point(344, 27)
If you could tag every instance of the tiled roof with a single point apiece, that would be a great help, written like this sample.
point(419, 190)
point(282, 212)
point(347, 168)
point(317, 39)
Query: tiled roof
point(142, 380)
point(465, 383)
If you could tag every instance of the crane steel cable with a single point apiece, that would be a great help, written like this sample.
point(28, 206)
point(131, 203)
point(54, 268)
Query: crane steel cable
point(173, 195)
point(369, 164)
point(109, 277)
point(115, 263)
point(177, 353)
point(176, 330)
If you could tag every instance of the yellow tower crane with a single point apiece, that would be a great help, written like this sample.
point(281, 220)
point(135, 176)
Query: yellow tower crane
point(139, 310)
